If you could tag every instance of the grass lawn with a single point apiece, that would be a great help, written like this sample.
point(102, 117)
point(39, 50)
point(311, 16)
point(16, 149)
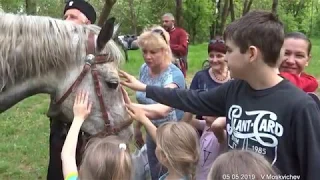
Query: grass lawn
point(25, 128)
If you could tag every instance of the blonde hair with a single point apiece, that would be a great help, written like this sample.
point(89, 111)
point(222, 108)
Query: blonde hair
point(241, 163)
point(179, 143)
point(156, 37)
point(105, 158)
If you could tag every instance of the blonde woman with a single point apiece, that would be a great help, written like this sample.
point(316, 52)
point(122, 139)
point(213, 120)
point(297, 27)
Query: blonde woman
point(177, 145)
point(104, 158)
point(240, 164)
point(158, 71)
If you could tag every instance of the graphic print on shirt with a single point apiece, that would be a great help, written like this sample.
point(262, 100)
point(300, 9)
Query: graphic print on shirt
point(206, 151)
point(256, 130)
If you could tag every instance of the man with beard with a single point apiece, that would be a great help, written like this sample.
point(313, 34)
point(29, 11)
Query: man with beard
point(178, 42)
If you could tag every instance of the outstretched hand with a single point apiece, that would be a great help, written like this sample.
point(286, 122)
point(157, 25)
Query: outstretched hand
point(125, 95)
point(137, 113)
point(131, 82)
point(82, 106)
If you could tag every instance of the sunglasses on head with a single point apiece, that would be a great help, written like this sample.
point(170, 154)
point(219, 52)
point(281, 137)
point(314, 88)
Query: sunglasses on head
point(216, 41)
point(159, 31)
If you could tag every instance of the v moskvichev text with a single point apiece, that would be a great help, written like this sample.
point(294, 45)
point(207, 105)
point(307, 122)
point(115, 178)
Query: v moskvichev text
point(285, 177)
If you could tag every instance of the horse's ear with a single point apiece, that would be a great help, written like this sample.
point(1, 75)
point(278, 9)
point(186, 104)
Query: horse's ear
point(106, 33)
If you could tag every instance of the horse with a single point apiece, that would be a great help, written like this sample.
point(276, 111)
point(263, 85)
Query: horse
point(40, 54)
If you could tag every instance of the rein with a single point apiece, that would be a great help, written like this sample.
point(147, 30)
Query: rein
point(92, 59)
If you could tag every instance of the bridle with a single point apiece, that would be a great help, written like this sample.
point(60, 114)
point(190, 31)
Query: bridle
point(92, 59)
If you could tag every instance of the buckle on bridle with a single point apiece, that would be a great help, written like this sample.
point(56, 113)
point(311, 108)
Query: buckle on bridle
point(90, 59)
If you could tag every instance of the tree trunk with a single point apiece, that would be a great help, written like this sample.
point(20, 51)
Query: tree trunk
point(31, 7)
point(133, 16)
point(224, 16)
point(246, 6)
point(178, 12)
point(274, 6)
point(106, 11)
point(215, 23)
point(231, 9)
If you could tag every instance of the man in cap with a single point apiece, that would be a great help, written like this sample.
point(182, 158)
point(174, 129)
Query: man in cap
point(79, 12)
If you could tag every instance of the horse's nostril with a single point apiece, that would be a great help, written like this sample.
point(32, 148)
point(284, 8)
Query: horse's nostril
point(113, 85)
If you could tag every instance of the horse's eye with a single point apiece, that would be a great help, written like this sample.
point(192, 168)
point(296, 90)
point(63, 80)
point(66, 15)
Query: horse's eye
point(113, 84)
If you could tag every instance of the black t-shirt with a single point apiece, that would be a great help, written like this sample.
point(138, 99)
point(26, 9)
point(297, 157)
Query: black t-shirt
point(282, 123)
point(203, 81)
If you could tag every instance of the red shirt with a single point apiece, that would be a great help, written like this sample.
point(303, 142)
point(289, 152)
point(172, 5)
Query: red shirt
point(305, 81)
point(178, 42)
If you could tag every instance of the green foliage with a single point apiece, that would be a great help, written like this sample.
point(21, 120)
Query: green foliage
point(14, 6)
point(198, 17)
point(295, 15)
point(147, 13)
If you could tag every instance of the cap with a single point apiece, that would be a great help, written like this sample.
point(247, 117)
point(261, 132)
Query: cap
point(84, 7)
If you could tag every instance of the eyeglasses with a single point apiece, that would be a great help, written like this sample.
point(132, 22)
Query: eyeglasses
point(159, 31)
point(216, 41)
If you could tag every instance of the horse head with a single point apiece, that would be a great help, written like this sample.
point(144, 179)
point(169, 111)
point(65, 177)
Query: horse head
point(46, 55)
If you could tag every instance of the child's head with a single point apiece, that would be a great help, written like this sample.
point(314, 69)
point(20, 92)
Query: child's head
point(297, 48)
point(241, 163)
point(255, 38)
point(178, 147)
point(106, 158)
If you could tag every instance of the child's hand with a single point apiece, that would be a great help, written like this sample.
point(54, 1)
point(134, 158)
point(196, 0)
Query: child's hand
point(82, 106)
point(136, 113)
point(125, 96)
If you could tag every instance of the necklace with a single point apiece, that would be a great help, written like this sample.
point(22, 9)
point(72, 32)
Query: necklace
point(221, 79)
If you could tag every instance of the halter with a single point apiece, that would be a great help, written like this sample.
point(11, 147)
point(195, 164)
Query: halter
point(92, 59)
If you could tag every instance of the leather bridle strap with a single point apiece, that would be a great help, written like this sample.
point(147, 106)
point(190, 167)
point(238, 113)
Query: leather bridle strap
point(76, 83)
point(97, 88)
point(90, 45)
point(91, 60)
point(95, 75)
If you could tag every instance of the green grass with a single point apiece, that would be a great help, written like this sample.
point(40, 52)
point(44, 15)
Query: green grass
point(25, 128)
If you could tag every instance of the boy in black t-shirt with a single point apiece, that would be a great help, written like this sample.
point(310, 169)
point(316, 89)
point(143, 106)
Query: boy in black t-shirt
point(265, 113)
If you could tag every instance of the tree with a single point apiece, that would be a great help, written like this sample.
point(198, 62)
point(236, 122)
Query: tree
point(246, 6)
point(274, 6)
point(178, 12)
point(231, 9)
point(106, 11)
point(31, 7)
point(198, 18)
point(216, 13)
point(224, 15)
point(133, 16)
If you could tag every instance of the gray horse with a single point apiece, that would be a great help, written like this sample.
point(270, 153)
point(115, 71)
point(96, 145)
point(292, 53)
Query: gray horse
point(46, 55)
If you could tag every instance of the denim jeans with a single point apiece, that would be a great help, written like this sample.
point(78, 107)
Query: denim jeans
point(156, 169)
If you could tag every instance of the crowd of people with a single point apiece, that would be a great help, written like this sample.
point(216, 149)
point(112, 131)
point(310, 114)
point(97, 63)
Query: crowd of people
point(248, 116)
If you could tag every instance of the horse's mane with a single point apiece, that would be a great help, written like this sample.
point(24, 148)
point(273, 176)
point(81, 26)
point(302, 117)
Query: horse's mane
point(32, 46)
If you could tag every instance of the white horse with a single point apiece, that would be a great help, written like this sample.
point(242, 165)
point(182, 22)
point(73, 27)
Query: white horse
point(47, 55)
